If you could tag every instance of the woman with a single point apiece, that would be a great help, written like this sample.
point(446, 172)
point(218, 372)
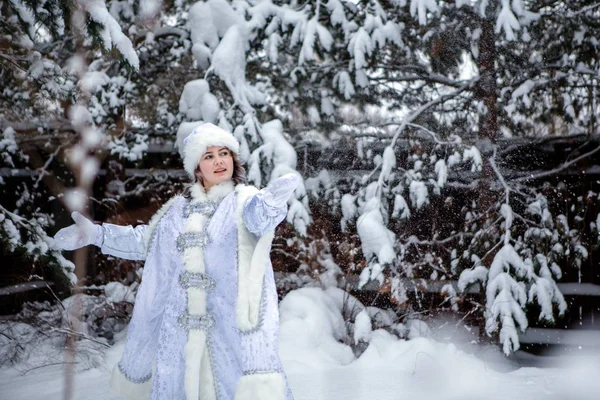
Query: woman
point(206, 312)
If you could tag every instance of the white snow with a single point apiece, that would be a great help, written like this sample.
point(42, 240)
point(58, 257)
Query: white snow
point(92, 81)
point(401, 209)
point(507, 21)
point(470, 276)
point(349, 210)
point(116, 292)
point(441, 169)
point(419, 196)
point(312, 331)
point(111, 34)
point(314, 30)
point(149, 8)
point(89, 169)
point(320, 365)
point(474, 155)
point(344, 84)
point(422, 7)
point(388, 164)
point(198, 103)
point(362, 327)
point(360, 46)
point(375, 238)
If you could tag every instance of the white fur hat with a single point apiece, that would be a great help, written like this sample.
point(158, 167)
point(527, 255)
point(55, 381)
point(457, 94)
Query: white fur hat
point(202, 137)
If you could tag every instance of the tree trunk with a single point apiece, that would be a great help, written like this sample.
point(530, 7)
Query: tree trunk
point(488, 87)
point(487, 92)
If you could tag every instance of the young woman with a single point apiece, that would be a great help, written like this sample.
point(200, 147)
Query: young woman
point(206, 313)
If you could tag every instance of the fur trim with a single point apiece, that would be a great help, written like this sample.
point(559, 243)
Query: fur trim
point(253, 254)
point(132, 391)
point(200, 139)
point(193, 261)
point(267, 386)
point(215, 193)
point(194, 351)
point(207, 387)
point(153, 224)
point(198, 371)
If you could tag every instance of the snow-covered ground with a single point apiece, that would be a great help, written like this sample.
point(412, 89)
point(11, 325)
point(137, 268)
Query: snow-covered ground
point(320, 367)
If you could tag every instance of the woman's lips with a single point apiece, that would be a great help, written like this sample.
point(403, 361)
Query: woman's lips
point(219, 171)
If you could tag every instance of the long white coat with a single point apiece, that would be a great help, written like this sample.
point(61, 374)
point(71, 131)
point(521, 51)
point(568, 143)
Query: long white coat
point(206, 315)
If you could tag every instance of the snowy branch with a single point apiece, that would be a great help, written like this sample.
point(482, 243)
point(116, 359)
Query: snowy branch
point(429, 78)
point(408, 120)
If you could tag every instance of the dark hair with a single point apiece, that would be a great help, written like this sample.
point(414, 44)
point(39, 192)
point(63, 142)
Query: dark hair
point(238, 177)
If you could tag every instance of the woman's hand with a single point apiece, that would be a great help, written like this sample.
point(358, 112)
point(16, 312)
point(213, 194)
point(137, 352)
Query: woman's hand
point(83, 233)
point(279, 191)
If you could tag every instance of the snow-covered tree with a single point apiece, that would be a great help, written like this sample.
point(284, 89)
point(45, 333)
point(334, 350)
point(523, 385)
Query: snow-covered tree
point(426, 93)
point(448, 81)
point(45, 82)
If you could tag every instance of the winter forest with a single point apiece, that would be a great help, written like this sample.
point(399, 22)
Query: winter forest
point(444, 242)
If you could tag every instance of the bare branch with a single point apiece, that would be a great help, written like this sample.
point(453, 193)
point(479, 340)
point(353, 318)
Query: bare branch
point(556, 170)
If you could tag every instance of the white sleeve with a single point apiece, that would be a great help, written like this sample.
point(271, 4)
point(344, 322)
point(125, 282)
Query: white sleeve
point(266, 209)
point(124, 242)
point(260, 217)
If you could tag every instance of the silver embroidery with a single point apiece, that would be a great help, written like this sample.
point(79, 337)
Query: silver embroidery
point(200, 322)
point(153, 233)
point(262, 371)
point(130, 378)
point(261, 310)
point(213, 367)
point(191, 239)
point(197, 280)
point(207, 208)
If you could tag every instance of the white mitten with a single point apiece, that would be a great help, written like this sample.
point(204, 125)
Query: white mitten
point(279, 191)
point(83, 233)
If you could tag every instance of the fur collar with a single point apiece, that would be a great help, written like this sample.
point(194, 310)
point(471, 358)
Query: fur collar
point(215, 193)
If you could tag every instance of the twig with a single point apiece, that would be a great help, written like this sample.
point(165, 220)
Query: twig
point(438, 141)
point(43, 170)
point(583, 10)
point(71, 332)
point(13, 339)
point(557, 170)
point(506, 189)
point(56, 297)
point(47, 365)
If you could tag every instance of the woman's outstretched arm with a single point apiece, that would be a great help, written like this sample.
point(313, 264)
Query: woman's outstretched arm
point(267, 208)
point(124, 242)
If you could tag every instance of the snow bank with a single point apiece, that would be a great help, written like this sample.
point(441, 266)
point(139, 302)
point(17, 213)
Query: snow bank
point(321, 367)
point(311, 328)
point(313, 333)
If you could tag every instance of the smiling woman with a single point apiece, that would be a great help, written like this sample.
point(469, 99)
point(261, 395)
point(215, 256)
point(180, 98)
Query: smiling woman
point(206, 314)
point(215, 167)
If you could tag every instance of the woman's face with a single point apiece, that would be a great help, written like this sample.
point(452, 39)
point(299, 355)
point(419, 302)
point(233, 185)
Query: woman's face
point(216, 166)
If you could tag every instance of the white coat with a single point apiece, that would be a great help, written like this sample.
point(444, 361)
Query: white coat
point(205, 322)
